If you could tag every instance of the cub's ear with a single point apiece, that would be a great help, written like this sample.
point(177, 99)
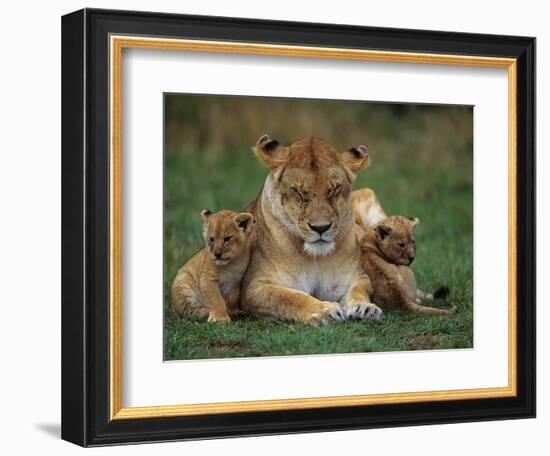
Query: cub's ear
point(205, 213)
point(414, 221)
point(270, 151)
point(382, 231)
point(355, 158)
point(244, 220)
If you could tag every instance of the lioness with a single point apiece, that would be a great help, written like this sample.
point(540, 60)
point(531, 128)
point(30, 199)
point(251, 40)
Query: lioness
point(388, 249)
point(306, 266)
point(208, 285)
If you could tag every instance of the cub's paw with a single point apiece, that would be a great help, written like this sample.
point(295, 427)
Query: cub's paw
point(331, 312)
point(218, 317)
point(365, 311)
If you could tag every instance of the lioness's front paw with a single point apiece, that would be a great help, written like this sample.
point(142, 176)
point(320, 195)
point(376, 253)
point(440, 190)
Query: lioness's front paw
point(331, 312)
point(218, 316)
point(365, 311)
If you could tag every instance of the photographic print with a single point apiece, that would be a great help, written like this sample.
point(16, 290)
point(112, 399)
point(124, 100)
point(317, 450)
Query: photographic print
point(306, 227)
point(258, 201)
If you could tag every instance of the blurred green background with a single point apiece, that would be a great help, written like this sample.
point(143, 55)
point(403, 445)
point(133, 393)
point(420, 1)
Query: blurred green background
point(421, 164)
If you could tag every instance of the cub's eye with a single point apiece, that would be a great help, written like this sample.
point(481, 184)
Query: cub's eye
point(402, 245)
point(413, 241)
point(211, 239)
point(226, 238)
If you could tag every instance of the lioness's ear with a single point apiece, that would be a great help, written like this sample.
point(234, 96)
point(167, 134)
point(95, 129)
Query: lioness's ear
point(244, 220)
point(382, 231)
point(270, 151)
point(355, 158)
point(414, 221)
point(205, 213)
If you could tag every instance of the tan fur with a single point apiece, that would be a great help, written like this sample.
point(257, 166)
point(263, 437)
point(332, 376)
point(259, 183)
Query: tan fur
point(388, 249)
point(367, 210)
point(209, 285)
point(297, 273)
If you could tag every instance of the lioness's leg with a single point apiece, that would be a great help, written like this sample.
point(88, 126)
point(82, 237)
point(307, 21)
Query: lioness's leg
point(271, 300)
point(356, 301)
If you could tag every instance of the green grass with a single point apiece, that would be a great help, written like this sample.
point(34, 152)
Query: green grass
point(438, 190)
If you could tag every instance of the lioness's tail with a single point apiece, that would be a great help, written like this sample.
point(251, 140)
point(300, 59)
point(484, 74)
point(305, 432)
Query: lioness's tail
point(441, 292)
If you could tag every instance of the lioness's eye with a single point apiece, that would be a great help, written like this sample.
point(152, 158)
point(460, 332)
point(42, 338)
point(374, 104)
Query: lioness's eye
point(298, 193)
point(226, 238)
point(402, 245)
point(211, 239)
point(335, 191)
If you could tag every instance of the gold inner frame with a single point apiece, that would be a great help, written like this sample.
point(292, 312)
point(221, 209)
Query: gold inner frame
point(117, 44)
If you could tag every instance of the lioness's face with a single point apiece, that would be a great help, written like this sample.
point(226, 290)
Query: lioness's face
point(396, 240)
point(310, 188)
point(225, 234)
point(316, 203)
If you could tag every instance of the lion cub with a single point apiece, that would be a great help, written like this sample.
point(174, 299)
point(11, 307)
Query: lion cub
point(208, 285)
point(388, 249)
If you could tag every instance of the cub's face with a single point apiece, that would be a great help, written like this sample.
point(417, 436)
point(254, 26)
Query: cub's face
point(396, 240)
point(226, 234)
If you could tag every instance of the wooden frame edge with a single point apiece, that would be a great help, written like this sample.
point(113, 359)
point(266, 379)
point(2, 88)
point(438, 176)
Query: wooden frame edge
point(512, 227)
point(115, 213)
point(309, 403)
point(116, 45)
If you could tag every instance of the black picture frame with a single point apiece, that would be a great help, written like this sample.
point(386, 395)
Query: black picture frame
point(85, 227)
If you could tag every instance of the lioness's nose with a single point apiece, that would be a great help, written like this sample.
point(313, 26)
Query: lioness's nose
point(320, 228)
